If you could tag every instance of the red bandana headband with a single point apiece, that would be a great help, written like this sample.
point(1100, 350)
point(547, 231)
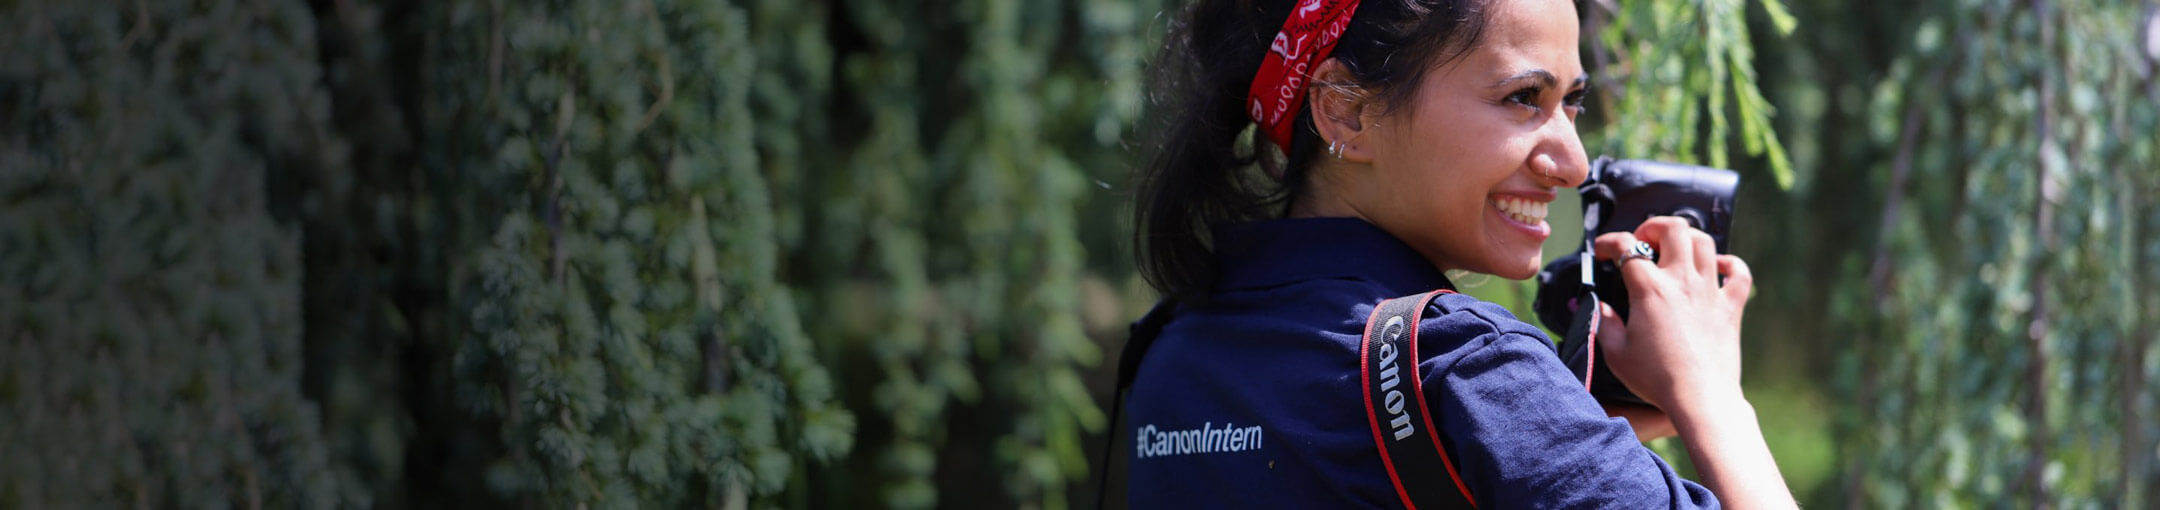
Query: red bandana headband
point(1307, 37)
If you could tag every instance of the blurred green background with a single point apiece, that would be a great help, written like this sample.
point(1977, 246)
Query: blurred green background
point(868, 253)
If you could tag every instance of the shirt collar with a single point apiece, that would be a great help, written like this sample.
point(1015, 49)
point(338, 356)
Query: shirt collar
point(1275, 252)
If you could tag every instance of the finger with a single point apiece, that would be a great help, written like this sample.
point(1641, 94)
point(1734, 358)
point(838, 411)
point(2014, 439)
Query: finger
point(1611, 331)
point(1668, 235)
point(1610, 246)
point(1739, 280)
point(1706, 254)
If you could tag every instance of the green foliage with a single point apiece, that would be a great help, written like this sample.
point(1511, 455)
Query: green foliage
point(1675, 64)
point(551, 275)
point(149, 295)
point(625, 328)
point(2011, 315)
point(947, 226)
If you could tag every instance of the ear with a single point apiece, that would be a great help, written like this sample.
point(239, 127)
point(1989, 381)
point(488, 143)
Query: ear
point(1338, 110)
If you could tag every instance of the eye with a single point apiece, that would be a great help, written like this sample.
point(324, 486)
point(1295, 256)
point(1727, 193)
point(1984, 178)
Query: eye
point(1526, 96)
point(1574, 100)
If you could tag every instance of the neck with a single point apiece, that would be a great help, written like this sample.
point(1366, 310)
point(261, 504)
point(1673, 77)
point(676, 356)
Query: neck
point(1324, 195)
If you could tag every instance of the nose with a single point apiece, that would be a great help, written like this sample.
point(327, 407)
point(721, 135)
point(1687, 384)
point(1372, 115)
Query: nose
point(1559, 159)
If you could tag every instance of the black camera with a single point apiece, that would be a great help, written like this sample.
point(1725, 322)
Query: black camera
point(1619, 196)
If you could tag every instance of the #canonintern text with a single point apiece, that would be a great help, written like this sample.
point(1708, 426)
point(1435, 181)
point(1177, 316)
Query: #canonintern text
point(1153, 442)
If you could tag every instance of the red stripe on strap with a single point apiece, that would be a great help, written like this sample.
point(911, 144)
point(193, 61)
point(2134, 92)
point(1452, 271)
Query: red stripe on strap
point(1590, 354)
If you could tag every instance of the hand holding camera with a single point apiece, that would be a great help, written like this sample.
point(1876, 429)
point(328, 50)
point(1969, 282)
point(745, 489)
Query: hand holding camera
point(1670, 221)
point(1651, 274)
point(1683, 333)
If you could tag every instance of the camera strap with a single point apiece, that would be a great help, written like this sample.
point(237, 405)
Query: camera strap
point(1138, 339)
point(1581, 336)
point(1388, 369)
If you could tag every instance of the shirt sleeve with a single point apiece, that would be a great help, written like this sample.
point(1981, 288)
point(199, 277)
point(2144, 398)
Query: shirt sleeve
point(1526, 435)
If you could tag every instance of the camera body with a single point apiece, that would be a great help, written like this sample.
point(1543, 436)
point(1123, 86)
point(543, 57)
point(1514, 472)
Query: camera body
point(1618, 197)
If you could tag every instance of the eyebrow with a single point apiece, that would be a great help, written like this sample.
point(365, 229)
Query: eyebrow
point(1542, 77)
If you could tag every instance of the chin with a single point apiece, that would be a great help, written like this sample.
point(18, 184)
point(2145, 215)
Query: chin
point(1521, 270)
point(1519, 273)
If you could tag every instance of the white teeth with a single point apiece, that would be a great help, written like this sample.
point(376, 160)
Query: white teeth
point(1521, 210)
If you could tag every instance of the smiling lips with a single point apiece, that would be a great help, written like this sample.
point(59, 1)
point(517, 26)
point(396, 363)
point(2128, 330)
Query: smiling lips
point(1526, 211)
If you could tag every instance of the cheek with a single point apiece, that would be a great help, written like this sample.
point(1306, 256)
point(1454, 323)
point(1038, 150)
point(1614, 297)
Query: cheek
point(1450, 158)
point(1470, 158)
point(1471, 133)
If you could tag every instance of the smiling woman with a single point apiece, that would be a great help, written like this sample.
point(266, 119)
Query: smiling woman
point(1473, 148)
point(1363, 150)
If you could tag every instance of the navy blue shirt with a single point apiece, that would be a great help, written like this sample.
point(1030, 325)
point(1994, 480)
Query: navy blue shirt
point(1250, 397)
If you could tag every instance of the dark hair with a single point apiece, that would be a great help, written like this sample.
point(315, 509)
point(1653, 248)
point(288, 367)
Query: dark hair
point(1209, 167)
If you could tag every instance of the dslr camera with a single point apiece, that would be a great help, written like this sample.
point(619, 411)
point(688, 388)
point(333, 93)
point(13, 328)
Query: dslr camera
point(1619, 196)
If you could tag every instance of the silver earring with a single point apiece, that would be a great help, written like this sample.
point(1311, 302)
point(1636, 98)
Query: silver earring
point(1334, 149)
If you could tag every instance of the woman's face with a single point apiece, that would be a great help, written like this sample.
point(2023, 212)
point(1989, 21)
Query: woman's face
point(1464, 170)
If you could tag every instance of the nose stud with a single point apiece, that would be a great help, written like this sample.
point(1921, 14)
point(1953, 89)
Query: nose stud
point(1543, 166)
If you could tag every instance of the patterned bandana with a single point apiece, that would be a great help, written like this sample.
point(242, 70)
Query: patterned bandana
point(1306, 39)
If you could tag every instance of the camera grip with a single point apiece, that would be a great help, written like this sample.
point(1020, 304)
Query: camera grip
point(1564, 306)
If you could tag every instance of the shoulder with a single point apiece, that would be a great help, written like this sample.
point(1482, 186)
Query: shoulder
point(1472, 312)
point(1461, 323)
point(1519, 423)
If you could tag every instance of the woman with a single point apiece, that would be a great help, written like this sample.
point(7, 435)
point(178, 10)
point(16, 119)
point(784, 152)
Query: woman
point(1322, 156)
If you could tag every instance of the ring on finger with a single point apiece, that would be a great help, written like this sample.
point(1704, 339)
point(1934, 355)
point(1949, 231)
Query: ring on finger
point(1641, 250)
